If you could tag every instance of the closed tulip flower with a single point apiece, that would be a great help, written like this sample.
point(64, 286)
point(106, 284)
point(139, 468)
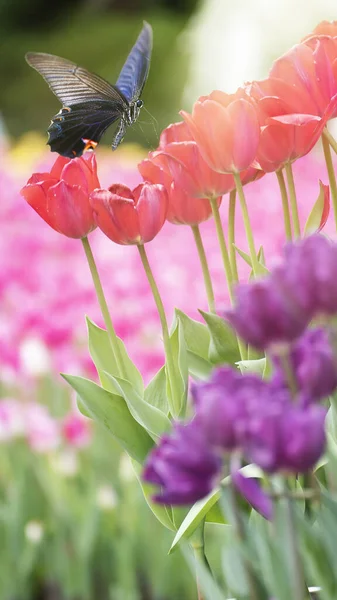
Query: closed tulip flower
point(226, 130)
point(61, 197)
point(130, 217)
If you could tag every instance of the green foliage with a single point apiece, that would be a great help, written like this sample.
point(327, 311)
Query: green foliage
point(111, 411)
point(223, 347)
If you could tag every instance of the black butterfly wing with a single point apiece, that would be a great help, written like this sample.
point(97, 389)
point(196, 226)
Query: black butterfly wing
point(76, 129)
point(134, 73)
point(73, 84)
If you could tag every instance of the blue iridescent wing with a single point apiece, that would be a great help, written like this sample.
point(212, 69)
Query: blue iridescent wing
point(134, 73)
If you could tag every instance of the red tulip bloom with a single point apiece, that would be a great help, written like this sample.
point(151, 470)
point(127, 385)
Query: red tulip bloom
point(226, 130)
point(311, 69)
point(324, 28)
point(286, 132)
point(61, 197)
point(130, 217)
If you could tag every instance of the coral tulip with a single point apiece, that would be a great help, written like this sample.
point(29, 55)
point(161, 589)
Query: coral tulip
point(130, 217)
point(61, 197)
point(226, 130)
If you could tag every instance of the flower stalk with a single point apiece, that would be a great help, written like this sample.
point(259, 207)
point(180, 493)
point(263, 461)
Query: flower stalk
point(205, 268)
point(114, 340)
point(247, 225)
point(331, 173)
point(293, 200)
point(285, 205)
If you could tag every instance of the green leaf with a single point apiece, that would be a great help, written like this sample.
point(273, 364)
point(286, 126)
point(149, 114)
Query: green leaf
point(111, 411)
point(202, 508)
point(252, 366)
point(210, 588)
point(224, 346)
point(162, 513)
point(150, 417)
point(198, 367)
point(194, 517)
point(197, 336)
point(103, 357)
point(262, 269)
point(319, 212)
point(179, 352)
point(155, 392)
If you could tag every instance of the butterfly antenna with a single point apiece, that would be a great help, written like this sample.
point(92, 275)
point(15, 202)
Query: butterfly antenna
point(144, 135)
point(154, 121)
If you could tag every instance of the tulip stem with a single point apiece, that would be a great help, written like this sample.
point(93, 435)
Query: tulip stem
point(204, 267)
point(331, 173)
point(299, 587)
point(197, 541)
point(223, 247)
point(171, 371)
point(285, 205)
point(246, 222)
point(293, 200)
point(231, 234)
point(114, 340)
point(330, 139)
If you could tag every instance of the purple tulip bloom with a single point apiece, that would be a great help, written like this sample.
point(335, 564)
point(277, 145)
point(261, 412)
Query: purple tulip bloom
point(265, 314)
point(250, 489)
point(286, 438)
point(184, 465)
point(314, 364)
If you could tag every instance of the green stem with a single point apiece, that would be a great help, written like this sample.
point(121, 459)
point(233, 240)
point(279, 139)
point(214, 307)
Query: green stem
point(231, 234)
point(240, 533)
point(331, 174)
point(285, 205)
point(223, 247)
point(114, 340)
point(204, 267)
point(197, 542)
point(247, 225)
point(299, 587)
point(330, 139)
point(293, 200)
point(171, 375)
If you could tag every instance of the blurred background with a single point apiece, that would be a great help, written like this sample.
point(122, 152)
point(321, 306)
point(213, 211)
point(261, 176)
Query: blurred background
point(73, 522)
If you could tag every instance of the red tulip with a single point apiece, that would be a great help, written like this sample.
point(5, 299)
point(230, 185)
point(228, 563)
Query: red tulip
point(286, 132)
point(130, 217)
point(226, 130)
point(324, 28)
point(61, 197)
point(311, 69)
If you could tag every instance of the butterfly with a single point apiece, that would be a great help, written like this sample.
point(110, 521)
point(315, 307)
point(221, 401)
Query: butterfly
point(91, 104)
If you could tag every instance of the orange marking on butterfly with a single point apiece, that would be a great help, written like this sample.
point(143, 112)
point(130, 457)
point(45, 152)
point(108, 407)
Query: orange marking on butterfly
point(89, 144)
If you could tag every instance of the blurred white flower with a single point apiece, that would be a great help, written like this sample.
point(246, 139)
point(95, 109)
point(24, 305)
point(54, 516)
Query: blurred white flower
point(126, 471)
point(34, 356)
point(65, 463)
point(34, 531)
point(106, 497)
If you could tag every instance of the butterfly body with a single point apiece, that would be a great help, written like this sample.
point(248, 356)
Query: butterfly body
point(91, 104)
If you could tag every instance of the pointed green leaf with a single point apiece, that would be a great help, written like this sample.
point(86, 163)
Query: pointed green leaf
point(150, 417)
point(320, 211)
point(243, 255)
point(111, 411)
point(252, 366)
point(104, 360)
point(262, 269)
point(224, 346)
point(155, 392)
point(210, 588)
point(196, 334)
point(179, 352)
point(198, 367)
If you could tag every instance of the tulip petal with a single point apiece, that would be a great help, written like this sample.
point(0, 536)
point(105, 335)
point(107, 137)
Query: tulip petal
point(251, 490)
point(246, 133)
point(118, 189)
point(69, 210)
point(36, 196)
point(73, 174)
point(152, 208)
point(57, 168)
point(176, 132)
point(320, 211)
point(116, 217)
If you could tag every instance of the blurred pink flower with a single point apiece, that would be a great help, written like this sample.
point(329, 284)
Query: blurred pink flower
point(42, 431)
point(11, 419)
point(76, 430)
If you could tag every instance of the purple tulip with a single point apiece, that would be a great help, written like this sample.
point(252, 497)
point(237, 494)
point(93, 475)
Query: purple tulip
point(184, 465)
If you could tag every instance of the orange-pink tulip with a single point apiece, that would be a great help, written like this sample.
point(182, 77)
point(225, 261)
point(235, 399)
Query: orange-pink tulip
point(311, 69)
point(226, 130)
point(324, 28)
point(130, 217)
point(61, 197)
